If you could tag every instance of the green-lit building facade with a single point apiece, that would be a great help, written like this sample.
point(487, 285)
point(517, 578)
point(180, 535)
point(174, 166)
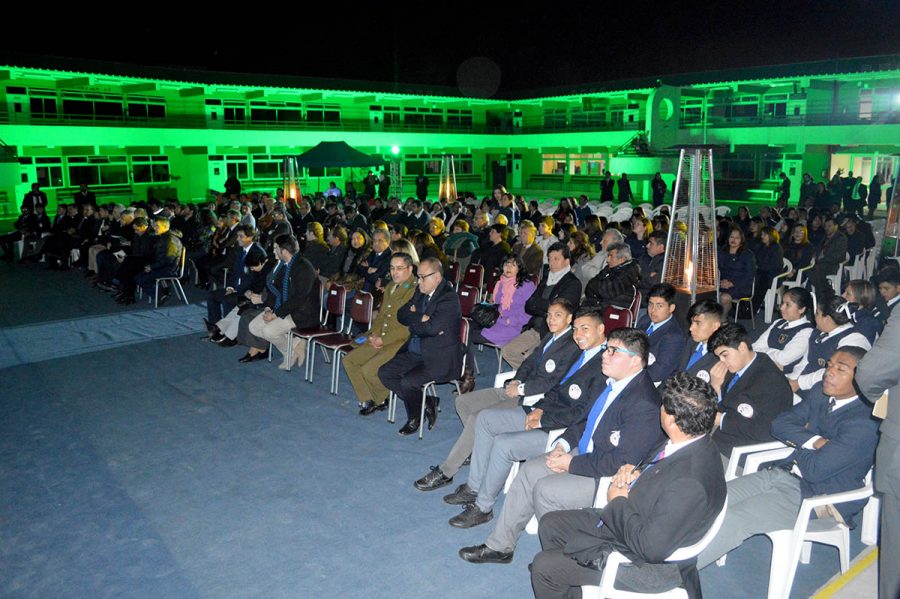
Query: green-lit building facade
point(132, 132)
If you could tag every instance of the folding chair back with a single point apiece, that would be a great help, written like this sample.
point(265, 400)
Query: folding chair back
point(468, 297)
point(474, 276)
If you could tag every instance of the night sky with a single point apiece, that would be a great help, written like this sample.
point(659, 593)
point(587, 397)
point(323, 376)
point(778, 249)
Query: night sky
point(499, 53)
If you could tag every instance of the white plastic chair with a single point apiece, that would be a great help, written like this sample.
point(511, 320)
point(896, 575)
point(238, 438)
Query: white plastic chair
point(797, 281)
point(835, 279)
point(647, 207)
point(772, 292)
point(723, 210)
point(607, 588)
point(857, 267)
point(749, 300)
point(744, 450)
point(791, 546)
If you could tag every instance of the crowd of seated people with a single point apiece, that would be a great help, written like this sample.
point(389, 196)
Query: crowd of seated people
point(268, 264)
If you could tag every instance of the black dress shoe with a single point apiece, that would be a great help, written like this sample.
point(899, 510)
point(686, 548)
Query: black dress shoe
point(471, 516)
point(431, 404)
point(230, 343)
point(369, 407)
point(433, 480)
point(467, 382)
point(212, 328)
point(461, 496)
point(482, 554)
point(248, 357)
point(410, 427)
point(216, 337)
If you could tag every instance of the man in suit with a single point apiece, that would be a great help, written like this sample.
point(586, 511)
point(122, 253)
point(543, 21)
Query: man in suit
point(538, 374)
point(877, 373)
point(621, 428)
point(559, 281)
point(167, 249)
point(607, 186)
point(705, 318)
point(666, 337)
point(35, 197)
point(386, 336)
point(530, 252)
point(651, 263)
point(292, 301)
point(433, 317)
point(84, 196)
point(668, 501)
point(834, 438)
point(505, 436)
point(889, 288)
point(752, 390)
point(616, 283)
point(220, 301)
point(829, 256)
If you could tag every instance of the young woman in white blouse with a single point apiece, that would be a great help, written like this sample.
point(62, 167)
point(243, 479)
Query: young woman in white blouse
point(787, 340)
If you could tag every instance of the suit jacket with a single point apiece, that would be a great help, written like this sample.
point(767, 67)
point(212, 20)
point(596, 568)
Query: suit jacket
point(613, 286)
point(317, 254)
point(761, 394)
point(537, 305)
point(302, 303)
point(702, 365)
point(832, 253)
point(666, 345)
point(439, 336)
point(533, 257)
point(672, 504)
point(878, 371)
point(541, 371)
point(570, 401)
point(843, 462)
point(628, 431)
point(240, 276)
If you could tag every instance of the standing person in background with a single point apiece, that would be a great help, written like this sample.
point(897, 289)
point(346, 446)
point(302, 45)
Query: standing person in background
point(421, 187)
point(874, 197)
point(607, 185)
point(876, 373)
point(659, 190)
point(784, 193)
point(624, 186)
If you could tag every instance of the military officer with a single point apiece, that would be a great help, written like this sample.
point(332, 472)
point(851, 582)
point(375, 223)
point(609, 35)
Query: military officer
point(383, 341)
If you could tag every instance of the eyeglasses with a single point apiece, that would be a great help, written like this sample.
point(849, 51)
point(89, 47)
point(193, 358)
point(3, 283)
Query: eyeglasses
point(423, 277)
point(612, 350)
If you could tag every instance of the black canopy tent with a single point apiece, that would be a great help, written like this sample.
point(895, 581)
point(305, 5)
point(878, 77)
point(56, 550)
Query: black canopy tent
point(336, 153)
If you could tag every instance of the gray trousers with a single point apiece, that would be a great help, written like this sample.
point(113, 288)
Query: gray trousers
point(762, 502)
point(536, 491)
point(887, 482)
point(518, 349)
point(468, 407)
point(500, 440)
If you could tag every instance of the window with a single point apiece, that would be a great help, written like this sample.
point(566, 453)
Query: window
point(150, 169)
point(738, 166)
point(90, 106)
point(323, 114)
point(98, 170)
point(430, 164)
point(412, 118)
point(459, 119)
point(691, 111)
point(391, 115)
point(555, 118)
point(865, 104)
point(49, 171)
point(237, 166)
point(586, 164)
point(331, 171)
point(146, 108)
point(43, 106)
point(553, 164)
point(235, 113)
point(267, 167)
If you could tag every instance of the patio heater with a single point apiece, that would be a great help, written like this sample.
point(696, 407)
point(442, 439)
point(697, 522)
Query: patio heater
point(890, 247)
point(690, 259)
point(291, 178)
point(447, 187)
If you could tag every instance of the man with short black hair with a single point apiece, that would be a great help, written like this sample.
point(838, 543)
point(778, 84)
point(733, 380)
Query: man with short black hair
point(669, 500)
point(889, 288)
point(558, 281)
point(705, 318)
point(539, 373)
point(621, 427)
point(751, 388)
point(829, 256)
point(834, 439)
point(220, 301)
point(503, 436)
point(433, 318)
point(651, 263)
point(666, 336)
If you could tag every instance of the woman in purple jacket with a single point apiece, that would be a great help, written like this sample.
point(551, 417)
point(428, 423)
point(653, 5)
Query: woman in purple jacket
point(511, 291)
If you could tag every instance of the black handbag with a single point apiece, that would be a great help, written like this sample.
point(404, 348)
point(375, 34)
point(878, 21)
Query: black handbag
point(485, 315)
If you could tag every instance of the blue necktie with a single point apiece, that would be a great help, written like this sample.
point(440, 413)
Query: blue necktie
point(650, 329)
point(239, 269)
point(698, 353)
point(592, 419)
point(574, 368)
point(733, 381)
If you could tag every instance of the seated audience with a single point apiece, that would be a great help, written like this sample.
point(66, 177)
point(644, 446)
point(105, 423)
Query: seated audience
point(666, 337)
point(867, 319)
point(705, 318)
point(737, 269)
point(616, 284)
point(787, 340)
